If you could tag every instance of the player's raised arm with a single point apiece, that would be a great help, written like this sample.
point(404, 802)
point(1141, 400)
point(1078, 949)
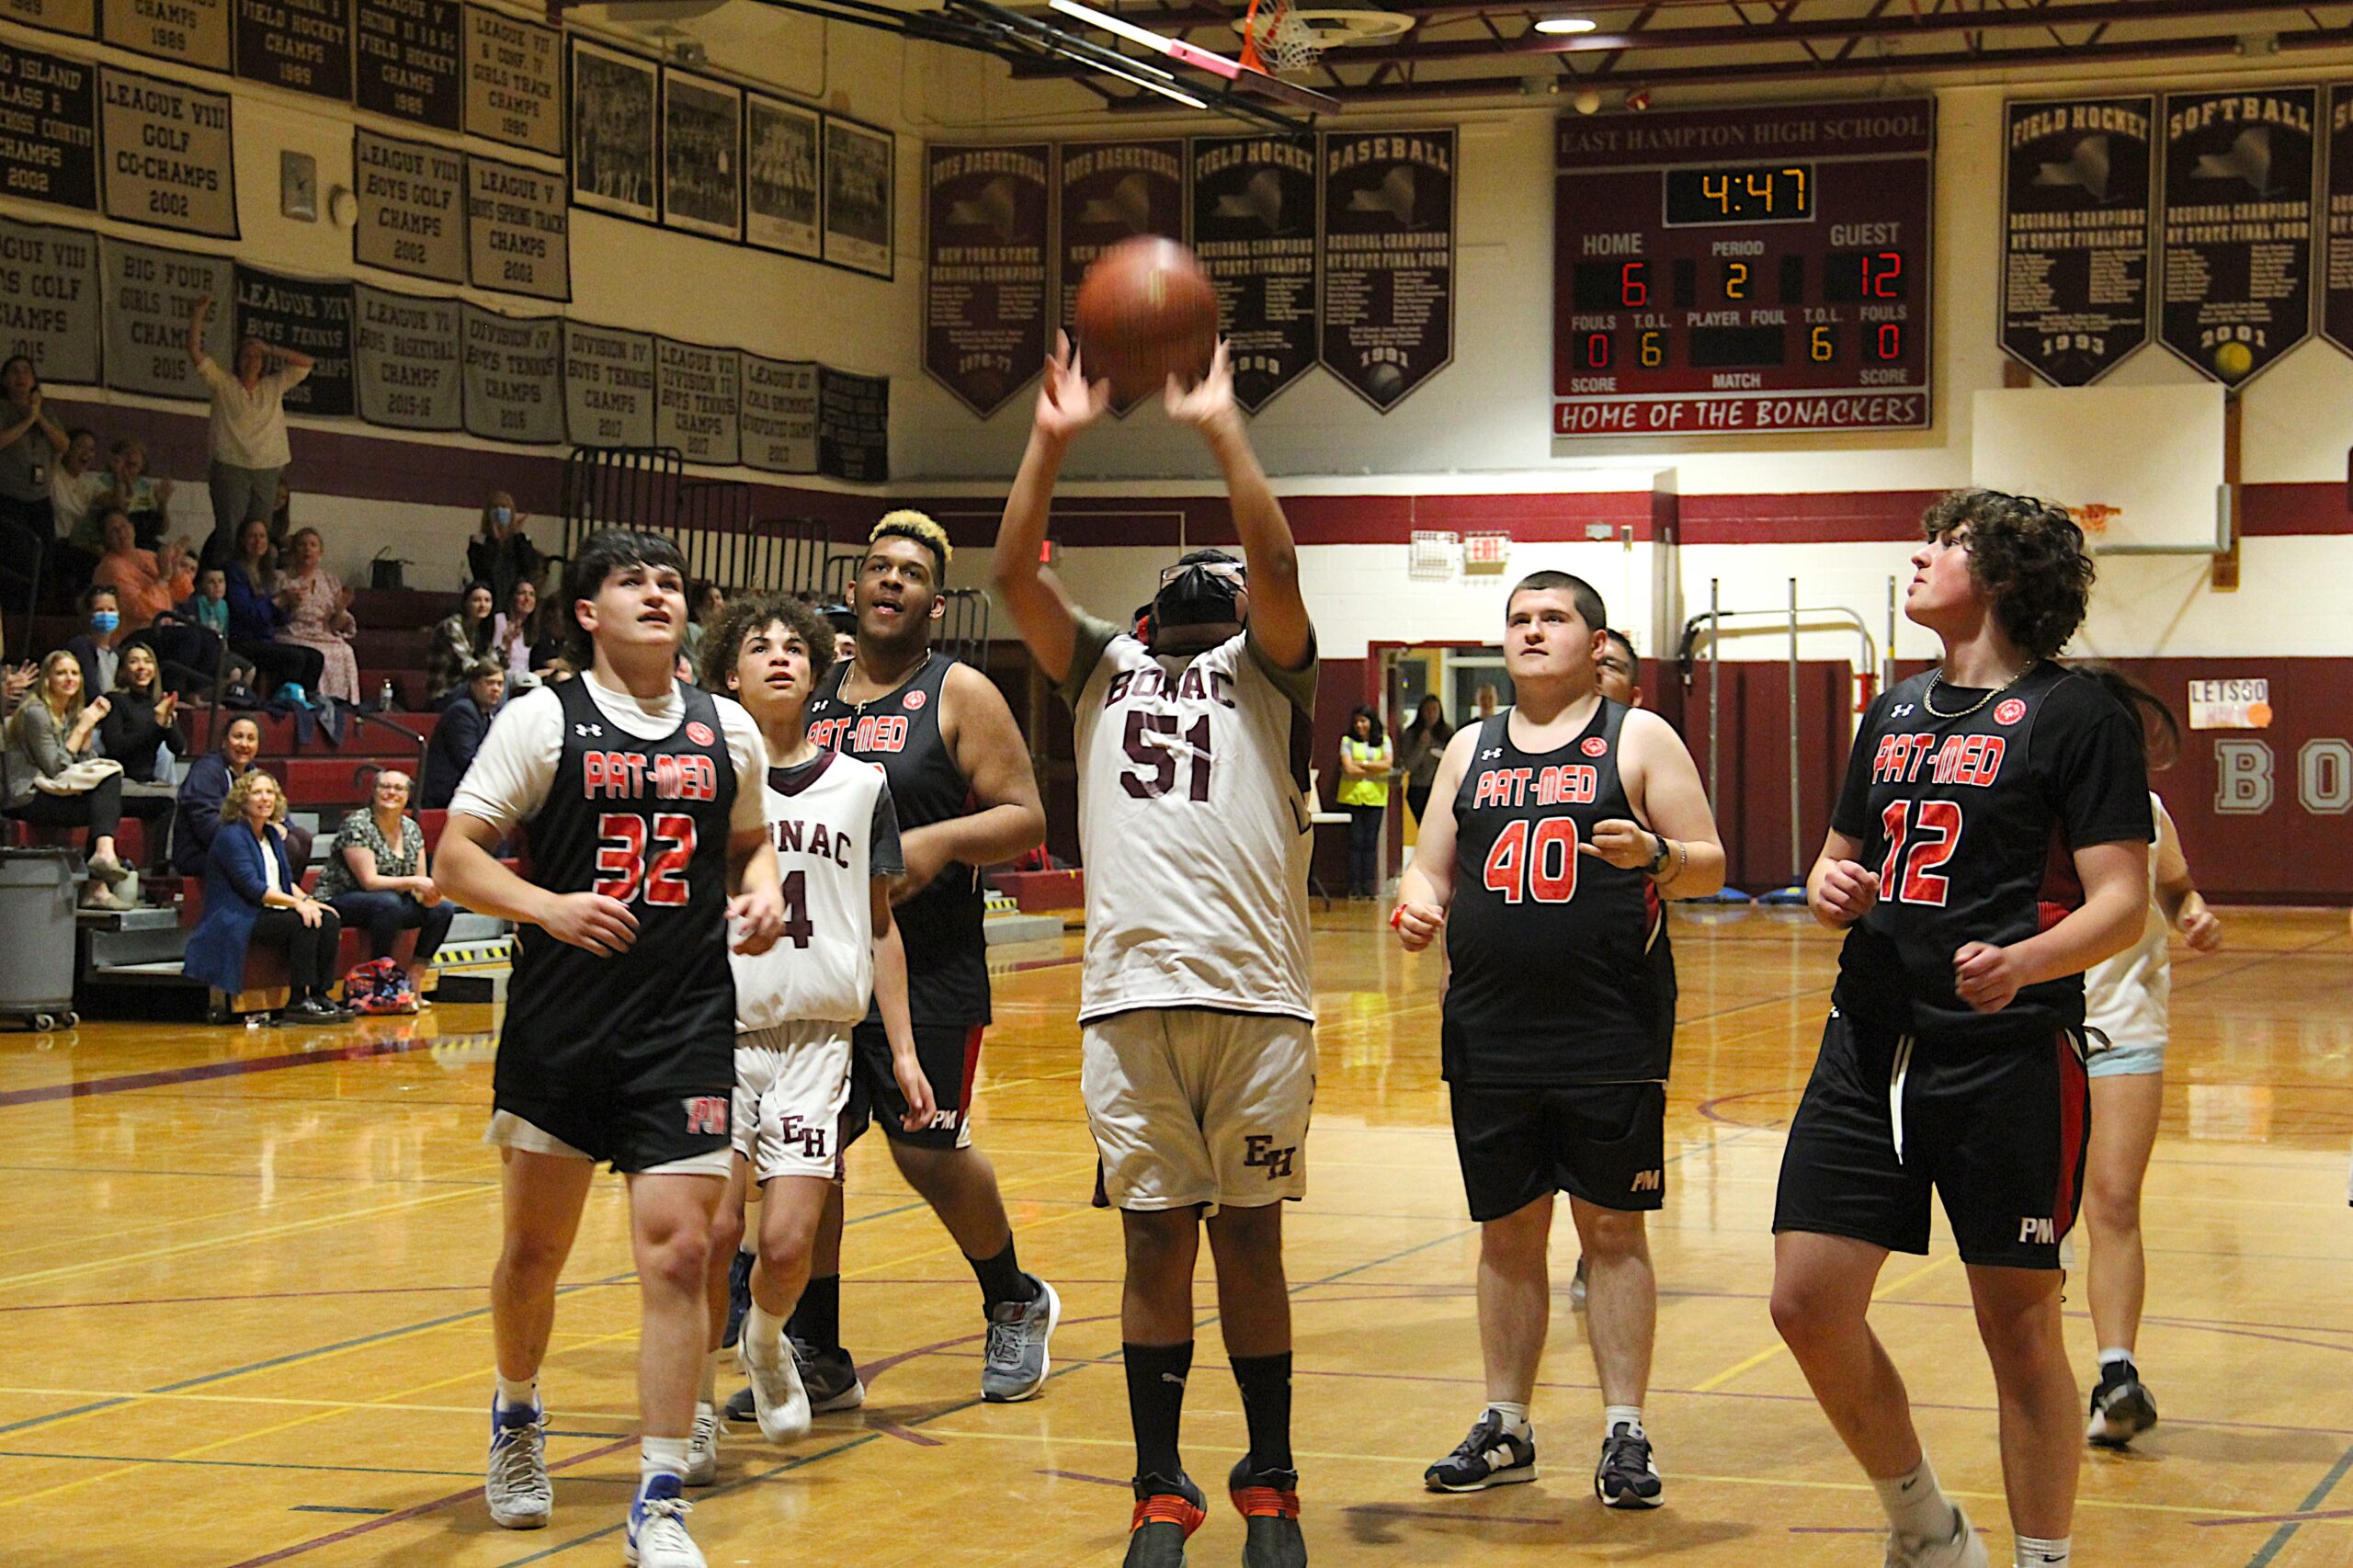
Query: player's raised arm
point(1278, 621)
point(1066, 405)
point(1426, 888)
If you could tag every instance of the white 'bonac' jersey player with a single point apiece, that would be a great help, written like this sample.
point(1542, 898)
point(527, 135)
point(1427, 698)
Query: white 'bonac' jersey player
point(1192, 824)
point(835, 830)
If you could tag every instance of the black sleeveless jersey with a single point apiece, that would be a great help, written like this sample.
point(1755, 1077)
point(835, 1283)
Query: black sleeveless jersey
point(948, 964)
point(1971, 823)
point(1560, 969)
point(645, 823)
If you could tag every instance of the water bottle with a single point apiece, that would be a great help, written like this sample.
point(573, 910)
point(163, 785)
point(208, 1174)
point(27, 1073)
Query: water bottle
point(384, 698)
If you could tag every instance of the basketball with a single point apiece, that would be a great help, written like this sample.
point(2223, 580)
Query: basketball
point(1146, 311)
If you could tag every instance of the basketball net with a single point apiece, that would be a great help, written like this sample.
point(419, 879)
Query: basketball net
point(1289, 44)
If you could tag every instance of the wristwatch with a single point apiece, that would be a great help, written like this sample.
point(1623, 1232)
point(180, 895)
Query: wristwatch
point(1658, 862)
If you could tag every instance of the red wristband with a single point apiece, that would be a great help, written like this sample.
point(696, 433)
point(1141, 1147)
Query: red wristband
point(1396, 915)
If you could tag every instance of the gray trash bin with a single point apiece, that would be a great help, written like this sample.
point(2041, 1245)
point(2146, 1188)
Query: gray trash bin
point(37, 893)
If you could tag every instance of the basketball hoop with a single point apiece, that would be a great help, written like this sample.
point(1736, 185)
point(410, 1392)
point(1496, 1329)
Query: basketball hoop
point(1282, 39)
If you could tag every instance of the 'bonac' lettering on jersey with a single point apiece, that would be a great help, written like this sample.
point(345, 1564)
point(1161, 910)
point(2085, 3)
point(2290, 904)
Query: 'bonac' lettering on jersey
point(1153, 682)
point(1957, 759)
point(1567, 784)
point(826, 843)
point(874, 731)
point(622, 775)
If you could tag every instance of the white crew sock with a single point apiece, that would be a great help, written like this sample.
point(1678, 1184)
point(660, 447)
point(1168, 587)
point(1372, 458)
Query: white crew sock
point(519, 1393)
point(763, 1336)
point(1915, 1505)
point(2030, 1552)
point(662, 1456)
point(1630, 1414)
point(2114, 1354)
point(1515, 1415)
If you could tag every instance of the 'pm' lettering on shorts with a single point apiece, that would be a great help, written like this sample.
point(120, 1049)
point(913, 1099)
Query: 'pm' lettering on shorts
point(707, 1114)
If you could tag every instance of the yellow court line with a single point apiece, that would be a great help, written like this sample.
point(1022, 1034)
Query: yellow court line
point(1879, 1292)
point(1026, 1227)
point(145, 1396)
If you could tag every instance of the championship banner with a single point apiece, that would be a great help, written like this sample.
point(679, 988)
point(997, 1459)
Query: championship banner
point(303, 46)
point(79, 17)
point(2336, 255)
point(518, 229)
point(780, 176)
point(779, 415)
point(514, 82)
point(48, 134)
point(1387, 260)
point(48, 301)
point(1112, 191)
point(174, 158)
point(695, 392)
point(1253, 229)
point(412, 206)
point(408, 352)
point(514, 377)
point(608, 386)
point(407, 55)
point(311, 317)
point(2076, 234)
point(2238, 228)
point(984, 333)
point(192, 32)
point(148, 297)
point(853, 426)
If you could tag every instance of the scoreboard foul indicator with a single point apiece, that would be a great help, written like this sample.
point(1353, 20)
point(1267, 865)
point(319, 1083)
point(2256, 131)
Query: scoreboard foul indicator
point(1729, 272)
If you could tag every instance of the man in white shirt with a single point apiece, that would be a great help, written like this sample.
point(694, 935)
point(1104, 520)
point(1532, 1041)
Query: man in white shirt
point(248, 444)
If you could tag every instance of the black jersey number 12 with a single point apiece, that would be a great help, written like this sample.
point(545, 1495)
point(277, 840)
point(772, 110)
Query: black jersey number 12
point(1933, 833)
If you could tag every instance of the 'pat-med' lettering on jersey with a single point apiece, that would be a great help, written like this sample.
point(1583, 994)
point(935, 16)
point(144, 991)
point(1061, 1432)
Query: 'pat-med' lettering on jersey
point(1948, 759)
point(625, 775)
point(861, 734)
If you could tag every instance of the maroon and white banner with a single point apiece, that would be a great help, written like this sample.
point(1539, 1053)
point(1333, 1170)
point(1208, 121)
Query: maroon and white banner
point(984, 270)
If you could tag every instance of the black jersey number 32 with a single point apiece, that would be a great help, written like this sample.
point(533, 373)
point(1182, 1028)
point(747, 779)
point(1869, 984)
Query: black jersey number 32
point(623, 870)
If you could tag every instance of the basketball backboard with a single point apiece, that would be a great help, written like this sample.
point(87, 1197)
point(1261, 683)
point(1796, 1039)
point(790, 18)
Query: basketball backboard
point(2140, 468)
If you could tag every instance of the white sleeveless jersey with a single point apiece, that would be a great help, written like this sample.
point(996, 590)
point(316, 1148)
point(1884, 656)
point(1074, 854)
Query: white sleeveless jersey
point(821, 968)
point(2129, 997)
point(1192, 825)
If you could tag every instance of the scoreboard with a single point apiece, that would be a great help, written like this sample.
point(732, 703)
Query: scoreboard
point(1729, 272)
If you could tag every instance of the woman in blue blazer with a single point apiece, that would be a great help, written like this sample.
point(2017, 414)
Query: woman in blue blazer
point(252, 894)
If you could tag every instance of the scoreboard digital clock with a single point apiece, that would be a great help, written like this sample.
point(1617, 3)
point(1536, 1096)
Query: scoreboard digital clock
point(1730, 272)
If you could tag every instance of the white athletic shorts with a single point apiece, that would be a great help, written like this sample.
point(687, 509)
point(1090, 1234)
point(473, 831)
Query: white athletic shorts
point(508, 1131)
point(1191, 1107)
point(791, 1083)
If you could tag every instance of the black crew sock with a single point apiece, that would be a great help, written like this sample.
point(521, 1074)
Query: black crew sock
point(1157, 1376)
point(1001, 1278)
point(816, 1322)
point(1265, 1382)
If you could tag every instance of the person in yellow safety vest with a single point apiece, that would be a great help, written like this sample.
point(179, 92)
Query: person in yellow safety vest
point(1366, 761)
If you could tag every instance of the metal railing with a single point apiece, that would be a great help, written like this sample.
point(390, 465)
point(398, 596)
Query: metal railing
point(711, 520)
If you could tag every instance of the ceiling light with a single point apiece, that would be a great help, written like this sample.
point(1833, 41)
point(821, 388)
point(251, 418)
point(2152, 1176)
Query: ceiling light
point(1565, 24)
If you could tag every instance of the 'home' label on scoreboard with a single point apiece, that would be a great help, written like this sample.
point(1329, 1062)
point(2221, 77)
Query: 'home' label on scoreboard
point(1743, 271)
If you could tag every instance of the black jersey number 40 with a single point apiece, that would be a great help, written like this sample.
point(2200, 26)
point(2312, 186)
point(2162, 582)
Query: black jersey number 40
point(1153, 745)
point(1535, 860)
point(624, 869)
point(1933, 829)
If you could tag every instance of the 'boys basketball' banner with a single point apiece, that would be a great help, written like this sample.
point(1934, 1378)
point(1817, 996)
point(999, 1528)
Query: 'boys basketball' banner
point(984, 270)
point(48, 301)
point(2336, 251)
point(410, 369)
point(2238, 228)
point(311, 317)
point(1112, 191)
point(2076, 234)
point(1253, 229)
point(1388, 261)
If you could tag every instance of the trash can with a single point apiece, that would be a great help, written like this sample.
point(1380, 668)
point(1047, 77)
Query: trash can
point(37, 894)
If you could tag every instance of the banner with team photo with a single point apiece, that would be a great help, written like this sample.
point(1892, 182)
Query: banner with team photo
point(514, 377)
point(2336, 250)
point(779, 415)
point(860, 201)
point(519, 230)
point(608, 386)
point(303, 46)
point(408, 58)
point(616, 109)
point(410, 368)
point(48, 301)
point(1254, 230)
point(49, 146)
point(191, 32)
point(781, 189)
point(172, 163)
point(702, 156)
point(2076, 234)
point(514, 89)
point(412, 206)
point(308, 315)
point(2237, 286)
point(694, 397)
point(985, 231)
point(853, 426)
point(147, 297)
point(79, 17)
point(1387, 260)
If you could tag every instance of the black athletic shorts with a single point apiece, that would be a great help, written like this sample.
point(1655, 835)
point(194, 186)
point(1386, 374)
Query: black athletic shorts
point(1999, 1131)
point(1517, 1143)
point(950, 1055)
point(632, 1130)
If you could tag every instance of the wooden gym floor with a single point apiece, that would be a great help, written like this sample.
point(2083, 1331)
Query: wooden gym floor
point(242, 1315)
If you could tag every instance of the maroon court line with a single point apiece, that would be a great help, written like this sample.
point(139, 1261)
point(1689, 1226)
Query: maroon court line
point(165, 1077)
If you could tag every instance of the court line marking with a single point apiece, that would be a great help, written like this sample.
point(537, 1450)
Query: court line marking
point(248, 1464)
point(2319, 1494)
point(164, 1077)
point(1879, 1293)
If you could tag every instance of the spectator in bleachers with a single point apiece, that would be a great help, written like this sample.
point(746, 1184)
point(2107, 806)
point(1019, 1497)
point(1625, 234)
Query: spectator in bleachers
point(256, 618)
point(458, 639)
point(550, 636)
point(208, 609)
point(249, 444)
point(463, 724)
point(253, 892)
point(14, 681)
point(147, 502)
point(375, 875)
point(706, 602)
point(29, 444)
point(56, 777)
point(75, 484)
point(97, 647)
point(142, 731)
point(503, 555)
point(318, 616)
point(148, 587)
point(206, 785)
point(511, 640)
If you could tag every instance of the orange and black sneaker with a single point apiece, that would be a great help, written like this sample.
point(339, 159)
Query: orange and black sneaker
point(1268, 1501)
point(1167, 1513)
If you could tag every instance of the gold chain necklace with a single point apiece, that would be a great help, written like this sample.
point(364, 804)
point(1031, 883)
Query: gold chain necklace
point(1937, 676)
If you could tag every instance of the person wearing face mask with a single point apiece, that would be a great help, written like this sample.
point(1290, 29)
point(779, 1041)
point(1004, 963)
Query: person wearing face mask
point(502, 554)
point(248, 441)
point(98, 646)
